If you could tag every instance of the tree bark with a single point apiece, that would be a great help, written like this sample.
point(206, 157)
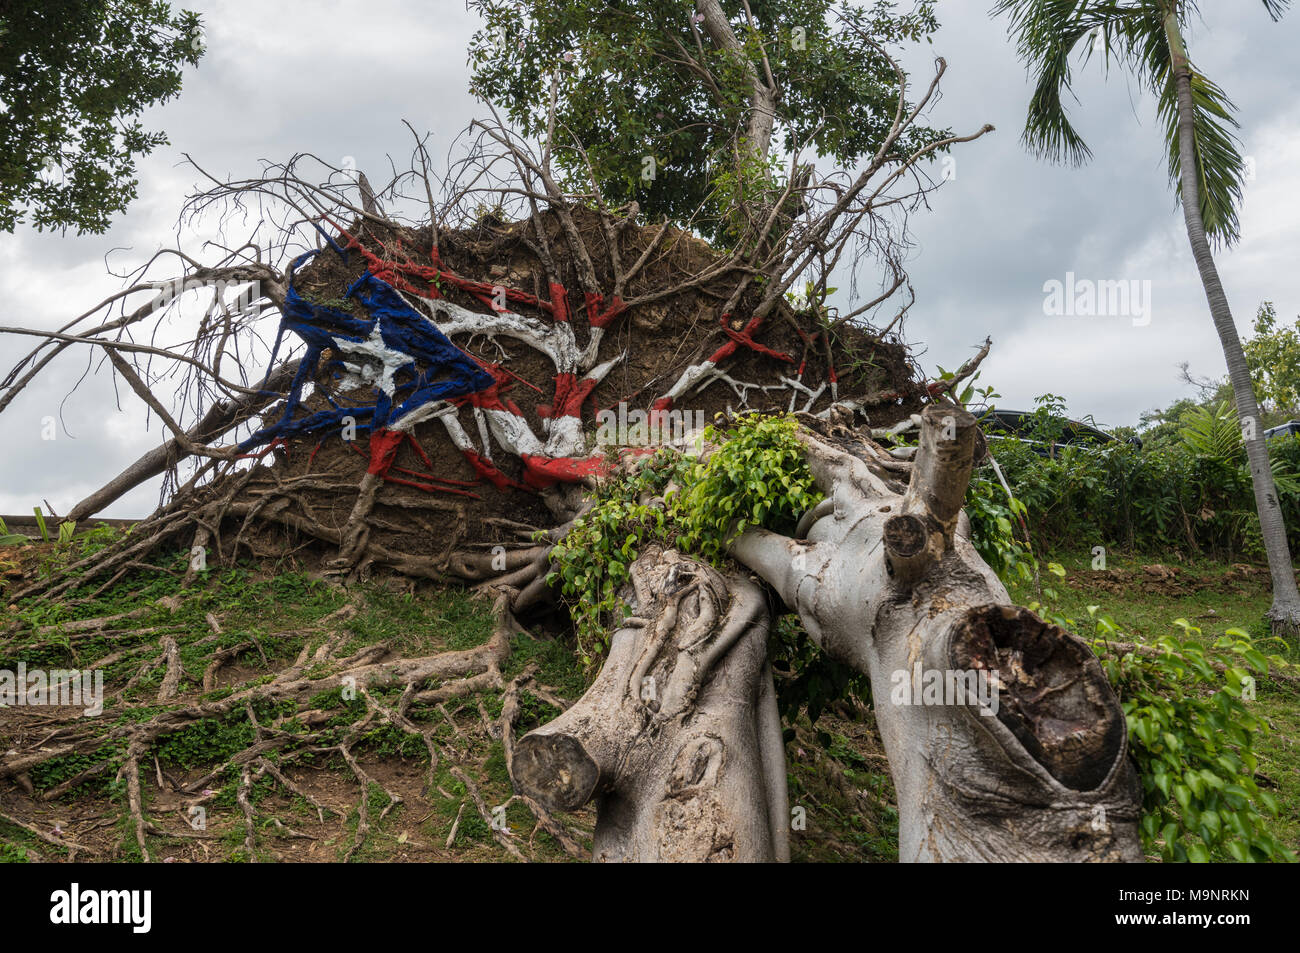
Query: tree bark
point(762, 94)
point(678, 740)
point(1285, 611)
point(1020, 754)
point(1004, 739)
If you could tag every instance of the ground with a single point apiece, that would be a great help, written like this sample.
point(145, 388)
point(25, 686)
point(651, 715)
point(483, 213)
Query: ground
point(1145, 595)
point(838, 773)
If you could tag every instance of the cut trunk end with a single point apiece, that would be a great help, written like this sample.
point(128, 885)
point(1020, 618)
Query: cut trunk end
point(1052, 693)
point(555, 771)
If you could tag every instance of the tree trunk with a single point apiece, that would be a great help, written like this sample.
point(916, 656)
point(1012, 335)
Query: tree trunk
point(678, 739)
point(1285, 611)
point(1004, 739)
point(762, 94)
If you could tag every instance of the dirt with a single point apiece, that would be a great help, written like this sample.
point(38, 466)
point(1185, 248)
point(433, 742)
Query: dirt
point(661, 339)
point(1160, 579)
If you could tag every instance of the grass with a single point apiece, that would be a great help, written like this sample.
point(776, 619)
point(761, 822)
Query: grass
point(839, 778)
point(1218, 597)
point(404, 620)
point(280, 608)
point(842, 800)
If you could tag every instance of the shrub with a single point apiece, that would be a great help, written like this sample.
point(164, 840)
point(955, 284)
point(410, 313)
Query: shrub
point(1190, 490)
point(1192, 737)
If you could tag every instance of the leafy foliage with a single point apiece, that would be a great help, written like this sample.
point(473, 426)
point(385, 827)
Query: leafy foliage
point(592, 561)
point(74, 74)
point(1273, 356)
point(1192, 735)
point(10, 539)
point(639, 81)
point(759, 477)
point(1212, 433)
point(1188, 486)
point(1147, 37)
point(993, 518)
point(807, 678)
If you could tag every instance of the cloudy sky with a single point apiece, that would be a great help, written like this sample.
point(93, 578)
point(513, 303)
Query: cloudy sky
point(338, 82)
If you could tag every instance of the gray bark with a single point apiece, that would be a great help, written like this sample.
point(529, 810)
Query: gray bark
point(1037, 769)
point(1024, 758)
point(762, 95)
point(678, 740)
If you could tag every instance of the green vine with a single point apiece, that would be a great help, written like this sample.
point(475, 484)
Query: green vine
point(592, 561)
point(757, 477)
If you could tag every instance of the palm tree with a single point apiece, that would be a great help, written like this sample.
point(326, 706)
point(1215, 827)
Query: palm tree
point(1204, 162)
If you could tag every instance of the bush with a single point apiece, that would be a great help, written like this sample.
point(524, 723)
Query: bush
point(1191, 492)
point(1192, 736)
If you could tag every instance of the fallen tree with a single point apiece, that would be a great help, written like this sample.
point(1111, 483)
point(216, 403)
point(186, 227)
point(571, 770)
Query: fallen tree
point(1004, 738)
point(435, 418)
point(442, 341)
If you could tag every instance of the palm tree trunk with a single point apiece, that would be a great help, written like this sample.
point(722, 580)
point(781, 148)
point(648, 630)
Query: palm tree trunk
point(1285, 611)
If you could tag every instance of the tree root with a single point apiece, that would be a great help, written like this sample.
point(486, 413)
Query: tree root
point(427, 683)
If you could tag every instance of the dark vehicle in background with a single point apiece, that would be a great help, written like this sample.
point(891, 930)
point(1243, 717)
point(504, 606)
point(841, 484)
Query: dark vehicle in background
point(1023, 425)
point(1290, 428)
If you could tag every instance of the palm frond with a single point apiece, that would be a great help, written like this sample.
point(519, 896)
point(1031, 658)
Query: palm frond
point(1276, 8)
point(1047, 33)
point(1139, 35)
point(1220, 167)
point(1213, 434)
point(1285, 477)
